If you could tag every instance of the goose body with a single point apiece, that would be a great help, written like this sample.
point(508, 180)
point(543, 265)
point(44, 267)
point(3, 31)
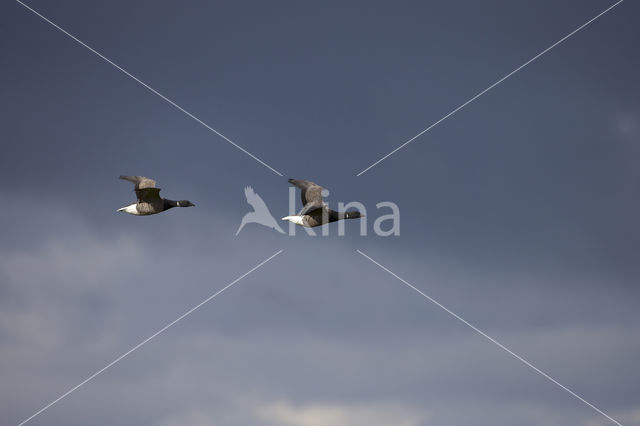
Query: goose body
point(149, 201)
point(315, 211)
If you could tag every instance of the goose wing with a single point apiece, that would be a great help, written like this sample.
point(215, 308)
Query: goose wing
point(311, 195)
point(148, 195)
point(141, 182)
point(145, 188)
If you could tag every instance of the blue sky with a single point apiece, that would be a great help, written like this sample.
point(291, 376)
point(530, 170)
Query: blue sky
point(519, 213)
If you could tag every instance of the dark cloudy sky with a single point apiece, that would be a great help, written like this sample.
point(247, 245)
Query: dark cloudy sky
point(520, 213)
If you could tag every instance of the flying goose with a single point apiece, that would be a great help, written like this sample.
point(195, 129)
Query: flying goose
point(260, 213)
point(315, 212)
point(149, 201)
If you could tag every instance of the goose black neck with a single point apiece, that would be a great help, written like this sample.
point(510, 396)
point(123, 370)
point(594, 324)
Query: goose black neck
point(335, 215)
point(168, 204)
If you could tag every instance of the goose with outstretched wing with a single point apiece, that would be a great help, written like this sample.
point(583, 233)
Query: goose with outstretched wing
point(149, 200)
point(315, 211)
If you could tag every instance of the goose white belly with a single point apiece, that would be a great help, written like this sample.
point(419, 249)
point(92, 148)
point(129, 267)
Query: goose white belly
point(131, 209)
point(298, 220)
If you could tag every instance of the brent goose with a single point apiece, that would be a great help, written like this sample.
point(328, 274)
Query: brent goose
point(315, 212)
point(149, 201)
point(260, 213)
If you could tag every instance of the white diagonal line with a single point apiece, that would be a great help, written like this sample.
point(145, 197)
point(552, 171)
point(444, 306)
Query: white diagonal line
point(492, 86)
point(150, 88)
point(148, 339)
point(491, 339)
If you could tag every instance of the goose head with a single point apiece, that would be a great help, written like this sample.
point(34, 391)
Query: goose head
point(353, 215)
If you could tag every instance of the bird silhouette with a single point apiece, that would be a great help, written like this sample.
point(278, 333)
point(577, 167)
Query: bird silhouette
point(260, 214)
